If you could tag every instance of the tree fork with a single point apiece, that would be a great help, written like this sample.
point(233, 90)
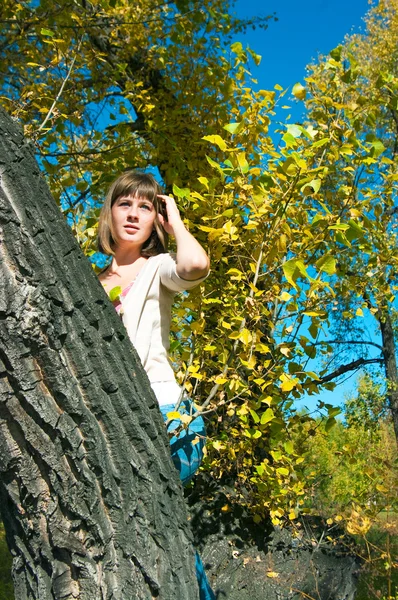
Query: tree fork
point(89, 496)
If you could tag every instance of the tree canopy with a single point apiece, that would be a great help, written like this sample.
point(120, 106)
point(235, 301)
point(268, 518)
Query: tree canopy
point(299, 222)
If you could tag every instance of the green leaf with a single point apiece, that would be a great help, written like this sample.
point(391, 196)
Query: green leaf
point(115, 293)
point(289, 269)
point(313, 329)
point(282, 471)
point(354, 231)
point(312, 187)
point(289, 448)
point(48, 32)
point(254, 415)
point(331, 422)
point(255, 57)
point(333, 410)
point(336, 53)
point(327, 264)
point(233, 127)
point(180, 192)
point(377, 148)
point(290, 141)
point(214, 164)
point(267, 416)
point(321, 142)
point(294, 130)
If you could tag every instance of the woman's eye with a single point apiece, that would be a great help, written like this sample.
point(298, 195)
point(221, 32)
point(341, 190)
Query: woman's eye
point(146, 206)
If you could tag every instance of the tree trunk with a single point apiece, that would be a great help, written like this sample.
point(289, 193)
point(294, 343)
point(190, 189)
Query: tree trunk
point(90, 499)
point(390, 362)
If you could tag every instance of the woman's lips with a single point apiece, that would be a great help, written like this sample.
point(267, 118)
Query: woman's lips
point(131, 228)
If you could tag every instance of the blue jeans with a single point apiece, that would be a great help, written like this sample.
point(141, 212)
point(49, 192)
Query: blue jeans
point(187, 457)
point(186, 454)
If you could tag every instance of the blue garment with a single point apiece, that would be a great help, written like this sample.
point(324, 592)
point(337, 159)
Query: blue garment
point(186, 455)
point(187, 458)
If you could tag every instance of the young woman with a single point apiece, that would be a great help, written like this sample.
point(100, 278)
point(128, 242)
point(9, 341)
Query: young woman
point(135, 222)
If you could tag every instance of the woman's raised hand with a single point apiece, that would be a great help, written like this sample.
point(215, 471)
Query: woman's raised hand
point(173, 220)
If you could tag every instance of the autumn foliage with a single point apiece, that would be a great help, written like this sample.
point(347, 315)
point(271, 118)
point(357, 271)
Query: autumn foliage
point(298, 218)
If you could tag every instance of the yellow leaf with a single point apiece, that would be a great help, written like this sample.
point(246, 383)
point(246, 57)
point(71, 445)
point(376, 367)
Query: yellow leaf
point(173, 415)
point(186, 419)
point(359, 312)
point(285, 350)
point(230, 228)
point(218, 446)
point(282, 471)
point(237, 275)
point(299, 91)
point(381, 488)
point(245, 336)
point(272, 574)
point(285, 296)
point(217, 140)
point(234, 335)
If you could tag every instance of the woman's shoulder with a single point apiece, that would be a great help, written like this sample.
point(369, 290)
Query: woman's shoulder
point(162, 259)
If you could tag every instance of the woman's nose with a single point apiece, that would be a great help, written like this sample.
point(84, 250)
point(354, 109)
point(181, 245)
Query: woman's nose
point(133, 212)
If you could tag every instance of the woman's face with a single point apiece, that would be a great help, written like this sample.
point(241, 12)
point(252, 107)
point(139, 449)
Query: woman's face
point(133, 219)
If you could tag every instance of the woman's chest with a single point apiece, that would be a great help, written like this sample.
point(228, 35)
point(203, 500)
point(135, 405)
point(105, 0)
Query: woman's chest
point(111, 282)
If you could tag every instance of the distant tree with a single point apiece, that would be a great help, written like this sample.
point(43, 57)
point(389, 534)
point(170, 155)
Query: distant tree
point(368, 406)
point(353, 100)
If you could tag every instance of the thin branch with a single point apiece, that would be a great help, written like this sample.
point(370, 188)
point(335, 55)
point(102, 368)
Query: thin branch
point(61, 89)
point(86, 152)
point(364, 342)
point(352, 366)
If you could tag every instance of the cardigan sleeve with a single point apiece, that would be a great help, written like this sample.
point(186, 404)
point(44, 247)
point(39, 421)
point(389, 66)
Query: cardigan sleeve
point(170, 278)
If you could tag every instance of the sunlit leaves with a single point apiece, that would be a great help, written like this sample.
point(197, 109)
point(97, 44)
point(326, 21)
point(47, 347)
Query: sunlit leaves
point(298, 232)
point(299, 91)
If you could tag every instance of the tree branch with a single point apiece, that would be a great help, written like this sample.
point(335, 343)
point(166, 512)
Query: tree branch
point(352, 366)
point(364, 342)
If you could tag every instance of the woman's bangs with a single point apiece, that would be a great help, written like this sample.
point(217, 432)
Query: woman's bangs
point(140, 189)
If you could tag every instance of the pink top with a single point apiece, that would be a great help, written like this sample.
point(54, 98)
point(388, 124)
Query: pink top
point(117, 303)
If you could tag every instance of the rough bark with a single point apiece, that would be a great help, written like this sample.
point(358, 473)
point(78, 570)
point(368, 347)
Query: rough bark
point(90, 499)
point(308, 560)
point(390, 364)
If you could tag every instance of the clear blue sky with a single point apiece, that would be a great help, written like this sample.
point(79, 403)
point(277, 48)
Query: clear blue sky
point(304, 30)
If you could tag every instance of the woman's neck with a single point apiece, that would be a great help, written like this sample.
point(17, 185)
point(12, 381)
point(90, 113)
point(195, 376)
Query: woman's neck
point(124, 258)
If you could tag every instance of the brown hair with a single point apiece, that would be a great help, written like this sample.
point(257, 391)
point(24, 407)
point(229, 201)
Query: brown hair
point(140, 185)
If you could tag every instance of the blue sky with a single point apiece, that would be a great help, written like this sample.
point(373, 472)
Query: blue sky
point(303, 31)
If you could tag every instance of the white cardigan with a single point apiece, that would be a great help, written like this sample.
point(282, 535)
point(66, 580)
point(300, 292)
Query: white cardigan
point(146, 313)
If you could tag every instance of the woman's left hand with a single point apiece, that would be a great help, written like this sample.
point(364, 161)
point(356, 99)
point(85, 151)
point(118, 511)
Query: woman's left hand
point(173, 220)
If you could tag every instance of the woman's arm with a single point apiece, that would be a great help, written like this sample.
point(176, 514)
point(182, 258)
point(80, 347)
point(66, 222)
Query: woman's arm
point(192, 261)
